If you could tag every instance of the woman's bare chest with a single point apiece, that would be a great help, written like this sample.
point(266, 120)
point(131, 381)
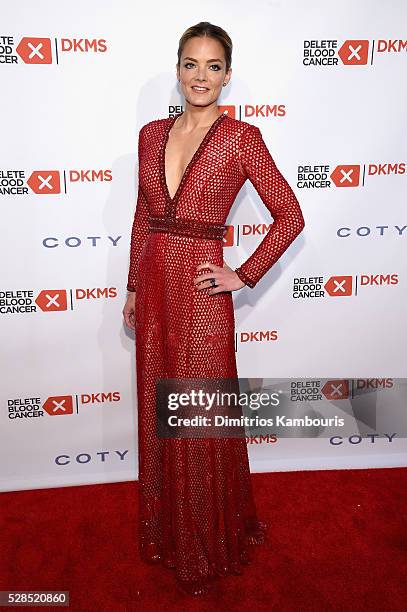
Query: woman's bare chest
point(179, 152)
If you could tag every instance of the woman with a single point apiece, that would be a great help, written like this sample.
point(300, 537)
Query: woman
point(197, 512)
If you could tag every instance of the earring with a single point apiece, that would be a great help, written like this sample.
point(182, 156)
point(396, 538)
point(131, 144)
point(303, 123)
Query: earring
point(224, 84)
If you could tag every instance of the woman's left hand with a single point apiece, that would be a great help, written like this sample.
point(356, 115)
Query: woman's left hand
point(226, 278)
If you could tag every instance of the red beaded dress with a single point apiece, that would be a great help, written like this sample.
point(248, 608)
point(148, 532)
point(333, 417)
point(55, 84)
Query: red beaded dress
point(197, 513)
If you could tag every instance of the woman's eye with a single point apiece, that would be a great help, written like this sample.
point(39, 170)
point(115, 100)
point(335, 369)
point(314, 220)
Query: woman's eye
point(216, 66)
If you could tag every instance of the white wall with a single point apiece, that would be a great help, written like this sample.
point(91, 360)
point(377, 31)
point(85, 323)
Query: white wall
point(81, 113)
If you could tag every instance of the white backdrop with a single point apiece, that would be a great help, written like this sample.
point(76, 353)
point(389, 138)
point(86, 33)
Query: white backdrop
point(78, 80)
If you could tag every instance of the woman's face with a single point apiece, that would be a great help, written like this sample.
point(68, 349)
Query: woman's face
point(202, 64)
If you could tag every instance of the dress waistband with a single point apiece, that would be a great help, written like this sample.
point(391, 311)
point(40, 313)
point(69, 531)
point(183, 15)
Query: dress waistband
point(187, 227)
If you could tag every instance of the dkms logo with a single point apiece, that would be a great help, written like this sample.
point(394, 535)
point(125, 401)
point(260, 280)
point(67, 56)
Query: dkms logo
point(32, 50)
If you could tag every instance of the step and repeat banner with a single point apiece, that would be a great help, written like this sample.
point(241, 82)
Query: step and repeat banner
point(326, 86)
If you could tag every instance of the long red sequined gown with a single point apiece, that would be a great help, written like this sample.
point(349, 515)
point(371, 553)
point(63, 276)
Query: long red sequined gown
point(196, 508)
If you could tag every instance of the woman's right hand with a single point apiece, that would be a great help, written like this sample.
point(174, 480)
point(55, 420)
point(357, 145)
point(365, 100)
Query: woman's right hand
point(129, 310)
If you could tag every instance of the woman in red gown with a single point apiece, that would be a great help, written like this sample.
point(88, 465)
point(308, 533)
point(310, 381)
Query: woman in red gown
point(197, 513)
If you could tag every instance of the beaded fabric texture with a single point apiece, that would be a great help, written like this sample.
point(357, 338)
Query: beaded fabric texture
point(197, 513)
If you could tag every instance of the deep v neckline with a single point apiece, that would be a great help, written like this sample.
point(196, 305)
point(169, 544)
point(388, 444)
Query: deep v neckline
point(170, 123)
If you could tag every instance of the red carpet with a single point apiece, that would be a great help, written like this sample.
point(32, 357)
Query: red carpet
point(338, 541)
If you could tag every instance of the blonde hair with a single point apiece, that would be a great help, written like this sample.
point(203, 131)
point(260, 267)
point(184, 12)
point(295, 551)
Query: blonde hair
point(204, 28)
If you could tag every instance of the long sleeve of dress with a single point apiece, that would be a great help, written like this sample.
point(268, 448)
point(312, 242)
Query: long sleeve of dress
point(139, 229)
point(259, 167)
